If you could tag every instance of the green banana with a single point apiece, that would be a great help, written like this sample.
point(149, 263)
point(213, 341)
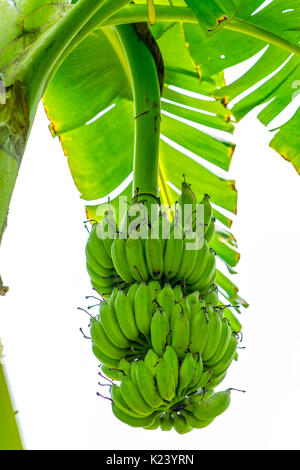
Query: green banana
point(172, 256)
point(133, 371)
point(180, 424)
point(159, 331)
point(213, 406)
point(207, 211)
point(188, 260)
point(147, 385)
point(154, 257)
point(204, 379)
point(154, 289)
point(178, 294)
point(181, 335)
point(136, 259)
point(119, 401)
point(111, 326)
point(132, 291)
point(210, 296)
point(201, 262)
point(132, 421)
point(95, 265)
point(205, 279)
point(214, 381)
point(143, 309)
point(199, 329)
point(166, 421)
point(102, 357)
point(171, 357)
point(113, 297)
point(193, 385)
point(124, 368)
point(165, 379)
point(223, 344)
point(118, 254)
point(155, 423)
point(195, 422)
point(165, 300)
point(131, 395)
point(98, 249)
point(186, 373)
point(214, 335)
point(211, 230)
point(110, 373)
point(103, 343)
point(102, 281)
point(125, 316)
point(227, 359)
point(151, 361)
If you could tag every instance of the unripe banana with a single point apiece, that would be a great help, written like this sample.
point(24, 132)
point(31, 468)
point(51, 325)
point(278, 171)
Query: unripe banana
point(212, 406)
point(214, 335)
point(132, 291)
point(171, 357)
point(136, 259)
point(223, 344)
point(143, 309)
point(195, 422)
point(113, 297)
point(197, 375)
point(154, 289)
point(103, 343)
point(159, 331)
point(125, 316)
point(188, 260)
point(210, 296)
point(103, 282)
point(131, 420)
point(166, 301)
point(201, 262)
point(180, 424)
point(227, 359)
point(193, 298)
point(155, 423)
point(207, 211)
point(110, 373)
point(95, 265)
point(151, 361)
point(133, 372)
point(147, 385)
point(154, 257)
point(181, 335)
point(165, 380)
point(98, 249)
point(214, 381)
point(207, 275)
point(111, 326)
point(166, 421)
point(186, 373)
point(120, 402)
point(102, 357)
point(178, 294)
point(131, 395)
point(173, 255)
point(199, 329)
point(124, 368)
point(204, 379)
point(118, 254)
point(211, 230)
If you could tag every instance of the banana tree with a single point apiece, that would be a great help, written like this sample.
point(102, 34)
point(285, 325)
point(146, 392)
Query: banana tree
point(137, 96)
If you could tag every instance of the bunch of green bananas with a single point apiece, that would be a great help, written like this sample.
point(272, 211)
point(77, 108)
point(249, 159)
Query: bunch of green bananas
point(161, 331)
point(120, 260)
point(165, 346)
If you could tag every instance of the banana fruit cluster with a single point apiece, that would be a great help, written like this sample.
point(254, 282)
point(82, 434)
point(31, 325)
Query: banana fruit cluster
point(161, 335)
point(164, 348)
point(121, 260)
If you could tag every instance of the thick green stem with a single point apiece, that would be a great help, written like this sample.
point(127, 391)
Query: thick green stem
point(9, 433)
point(146, 93)
point(138, 13)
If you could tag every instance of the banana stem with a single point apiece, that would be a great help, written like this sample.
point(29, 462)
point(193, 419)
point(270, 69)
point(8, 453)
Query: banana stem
point(146, 91)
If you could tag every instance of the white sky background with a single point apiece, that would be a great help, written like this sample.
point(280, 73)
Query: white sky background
point(51, 368)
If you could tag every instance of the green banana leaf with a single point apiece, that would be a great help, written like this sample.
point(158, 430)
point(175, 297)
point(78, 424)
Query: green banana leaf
point(9, 433)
